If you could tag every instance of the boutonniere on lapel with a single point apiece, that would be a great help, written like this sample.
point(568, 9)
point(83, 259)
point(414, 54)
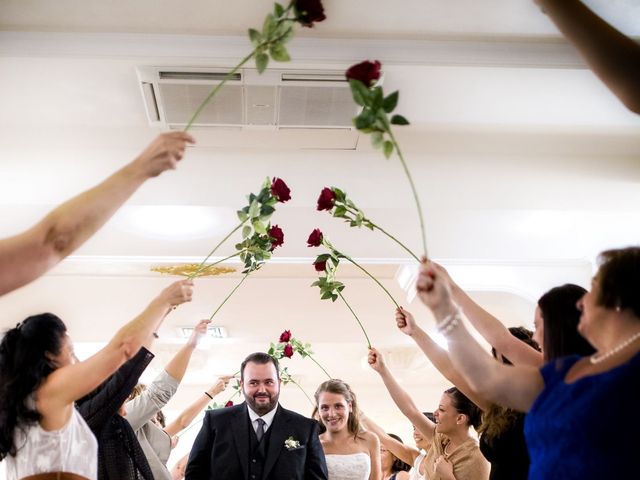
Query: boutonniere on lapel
point(291, 443)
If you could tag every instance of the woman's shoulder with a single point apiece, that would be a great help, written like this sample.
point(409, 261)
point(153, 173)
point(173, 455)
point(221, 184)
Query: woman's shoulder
point(370, 438)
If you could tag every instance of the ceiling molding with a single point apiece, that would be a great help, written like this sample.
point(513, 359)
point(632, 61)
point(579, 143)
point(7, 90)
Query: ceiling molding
point(516, 52)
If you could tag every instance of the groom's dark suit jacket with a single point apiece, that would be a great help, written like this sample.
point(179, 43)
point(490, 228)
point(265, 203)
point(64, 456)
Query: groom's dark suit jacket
point(222, 450)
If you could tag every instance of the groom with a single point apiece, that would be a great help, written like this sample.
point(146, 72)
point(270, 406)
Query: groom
point(258, 439)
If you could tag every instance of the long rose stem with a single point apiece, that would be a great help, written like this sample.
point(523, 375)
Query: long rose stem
point(357, 319)
point(413, 189)
point(219, 261)
point(321, 367)
point(303, 391)
point(371, 276)
point(216, 88)
point(365, 219)
point(229, 296)
point(201, 266)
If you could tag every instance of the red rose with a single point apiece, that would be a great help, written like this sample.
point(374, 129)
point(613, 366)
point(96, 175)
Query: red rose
point(367, 72)
point(315, 239)
point(326, 199)
point(277, 237)
point(320, 266)
point(280, 190)
point(285, 336)
point(228, 404)
point(288, 350)
point(309, 11)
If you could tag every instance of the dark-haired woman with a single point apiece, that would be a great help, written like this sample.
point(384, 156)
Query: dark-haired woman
point(454, 453)
point(565, 396)
point(40, 429)
point(502, 430)
point(392, 467)
point(556, 321)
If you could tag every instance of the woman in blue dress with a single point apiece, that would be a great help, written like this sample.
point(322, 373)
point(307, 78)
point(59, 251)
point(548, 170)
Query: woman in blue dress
point(579, 424)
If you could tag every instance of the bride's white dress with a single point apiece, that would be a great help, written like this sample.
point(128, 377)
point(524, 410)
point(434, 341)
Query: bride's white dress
point(356, 466)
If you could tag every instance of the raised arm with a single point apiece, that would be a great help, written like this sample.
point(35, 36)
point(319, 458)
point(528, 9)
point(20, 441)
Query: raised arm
point(613, 57)
point(177, 366)
point(26, 256)
point(492, 329)
point(158, 393)
point(400, 397)
point(511, 386)
point(69, 383)
point(406, 453)
point(189, 413)
point(438, 356)
point(101, 404)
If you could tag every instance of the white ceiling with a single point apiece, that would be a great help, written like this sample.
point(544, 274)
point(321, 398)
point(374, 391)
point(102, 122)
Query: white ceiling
point(526, 165)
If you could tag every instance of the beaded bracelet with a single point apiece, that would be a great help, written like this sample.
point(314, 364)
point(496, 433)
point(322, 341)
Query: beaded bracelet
point(450, 322)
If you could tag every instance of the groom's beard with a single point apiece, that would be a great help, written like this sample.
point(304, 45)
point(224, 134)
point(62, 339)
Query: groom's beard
point(262, 408)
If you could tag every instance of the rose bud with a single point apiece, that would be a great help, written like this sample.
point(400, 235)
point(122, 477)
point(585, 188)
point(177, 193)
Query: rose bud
point(280, 190)
point(288, 350)
point(228, 404)
point(277, 237)
point(315, 239)
point(285, 336)
point(367, 72)
point(320, 266)
point(326, 199)
point(309, 11)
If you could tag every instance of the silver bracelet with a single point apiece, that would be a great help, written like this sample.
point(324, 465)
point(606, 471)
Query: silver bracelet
point(450, 322)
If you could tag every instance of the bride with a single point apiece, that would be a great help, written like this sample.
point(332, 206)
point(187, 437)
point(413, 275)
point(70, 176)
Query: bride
point(351, 453)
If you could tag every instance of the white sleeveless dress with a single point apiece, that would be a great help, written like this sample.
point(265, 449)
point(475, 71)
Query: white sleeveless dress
point(72, 449)
point(356, 466)
point(414, 473)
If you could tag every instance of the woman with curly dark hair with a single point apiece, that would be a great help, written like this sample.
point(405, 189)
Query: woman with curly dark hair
point(40, 429)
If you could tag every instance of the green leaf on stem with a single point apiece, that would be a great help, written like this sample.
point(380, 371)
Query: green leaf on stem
point(399, 120)
point(246, 231)
point(262, 60)
point(339, 212)
point(360, 92)
point(259, 227)
point(269, 26)
point(255, 37)
point(364, 120)
point(254, 209)
point(390, 102)
point(377, 139)
point(242, 215)
point(278, 10)
point(388, 148)
point(279, 53)
point(378, 98)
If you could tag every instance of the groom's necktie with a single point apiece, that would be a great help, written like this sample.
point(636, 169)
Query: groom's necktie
point(260, 429)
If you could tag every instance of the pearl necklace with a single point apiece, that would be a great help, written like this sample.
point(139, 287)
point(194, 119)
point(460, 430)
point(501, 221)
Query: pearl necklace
point(596, 358)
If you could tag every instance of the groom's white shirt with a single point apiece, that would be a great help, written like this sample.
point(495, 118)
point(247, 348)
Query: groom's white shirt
point(268, 418)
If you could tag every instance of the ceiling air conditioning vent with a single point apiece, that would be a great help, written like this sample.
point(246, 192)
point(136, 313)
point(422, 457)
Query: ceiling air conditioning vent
point(284, 108)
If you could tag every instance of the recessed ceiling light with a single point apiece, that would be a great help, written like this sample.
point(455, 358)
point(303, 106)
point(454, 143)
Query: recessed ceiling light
point(213, 331)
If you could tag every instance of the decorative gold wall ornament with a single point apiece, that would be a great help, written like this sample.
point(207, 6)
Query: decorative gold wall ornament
point(187, 269)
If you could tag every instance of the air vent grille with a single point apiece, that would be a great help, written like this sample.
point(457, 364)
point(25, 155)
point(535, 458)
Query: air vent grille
point(208, 76)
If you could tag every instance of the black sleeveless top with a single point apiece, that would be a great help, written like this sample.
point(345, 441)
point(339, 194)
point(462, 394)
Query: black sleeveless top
point(507, 453)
